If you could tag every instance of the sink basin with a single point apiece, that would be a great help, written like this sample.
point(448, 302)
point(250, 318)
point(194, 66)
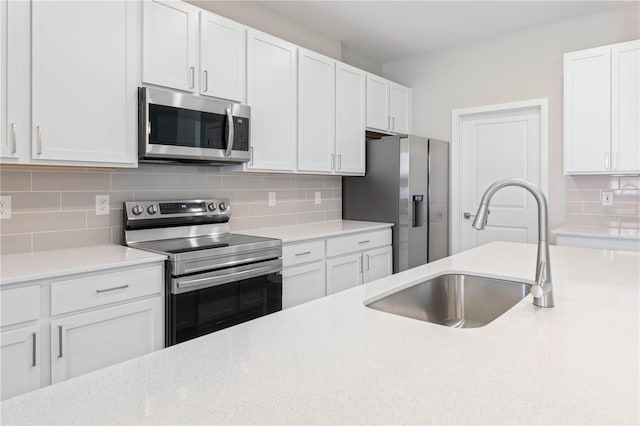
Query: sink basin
point(455, 300)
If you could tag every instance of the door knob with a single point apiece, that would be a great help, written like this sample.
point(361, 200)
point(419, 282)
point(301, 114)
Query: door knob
point(469, 215)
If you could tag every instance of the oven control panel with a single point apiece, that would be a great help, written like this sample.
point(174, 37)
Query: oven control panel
point(140, 210)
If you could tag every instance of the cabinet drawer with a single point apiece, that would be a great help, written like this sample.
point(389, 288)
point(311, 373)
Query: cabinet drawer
point(100, 289)
point(295, 254)
point(20, 305)
point(357, 242)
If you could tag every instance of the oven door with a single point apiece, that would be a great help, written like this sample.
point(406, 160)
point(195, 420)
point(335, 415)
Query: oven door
point(175, 126)
point(204, 303)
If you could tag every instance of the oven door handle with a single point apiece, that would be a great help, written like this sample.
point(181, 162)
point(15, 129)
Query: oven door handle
point(185, 285)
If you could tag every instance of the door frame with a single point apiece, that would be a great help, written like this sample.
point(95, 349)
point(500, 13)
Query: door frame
point(457, 116)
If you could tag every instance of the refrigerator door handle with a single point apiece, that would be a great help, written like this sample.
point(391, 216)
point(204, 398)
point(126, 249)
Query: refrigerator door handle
point(418, 211)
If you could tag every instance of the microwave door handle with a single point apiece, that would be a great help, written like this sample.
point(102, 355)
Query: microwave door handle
point(229, 131)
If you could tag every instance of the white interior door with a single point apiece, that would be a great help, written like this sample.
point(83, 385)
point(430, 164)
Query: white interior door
point(495, 145)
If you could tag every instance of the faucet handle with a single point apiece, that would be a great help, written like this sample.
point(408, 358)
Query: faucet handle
point(537, 291)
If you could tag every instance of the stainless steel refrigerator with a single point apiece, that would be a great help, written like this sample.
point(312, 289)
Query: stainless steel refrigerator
point(407, 184)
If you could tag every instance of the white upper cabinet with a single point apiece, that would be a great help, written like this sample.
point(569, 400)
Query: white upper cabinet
point(272, 95)
point(625, 106)
point(84, 80)
point(399, 108)
point(388, 105)
point(602, 110)
point(587, 110)
point(316, 112)
point(350, 119)
point(222, 57)
point(377, 102)
point(170, 42)
point(6, 144)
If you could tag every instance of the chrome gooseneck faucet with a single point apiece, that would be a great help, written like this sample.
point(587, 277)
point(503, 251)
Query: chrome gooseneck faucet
point(542, 291)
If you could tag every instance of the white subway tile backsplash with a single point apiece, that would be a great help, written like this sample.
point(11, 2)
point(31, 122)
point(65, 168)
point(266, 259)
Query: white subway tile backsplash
point(11, 180)
point(584, 202)
point(55, 207)
point(70, 181)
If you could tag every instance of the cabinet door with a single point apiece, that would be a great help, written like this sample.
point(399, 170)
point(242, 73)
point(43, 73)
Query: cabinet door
point(169, 44)
point(272, 94)
point(15, 70)
point(84, 97)
point(378, 263)
point(625, 104)
point(350, 119)
point(316, 112)
point(344, 272)
point(400, 108)
point(303, 284)
point(222, 57)
point(377, 102)
point(20, 360)
point(94, 340)
point(587, 110)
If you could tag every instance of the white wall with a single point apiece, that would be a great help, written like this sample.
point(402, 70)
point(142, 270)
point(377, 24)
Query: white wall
point(357, 60)
point(264, 19)
point(518, 66)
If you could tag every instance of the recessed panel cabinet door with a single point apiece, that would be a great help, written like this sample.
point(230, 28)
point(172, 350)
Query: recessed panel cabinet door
point(378, 263)
point(88, 342)
point(587, 110)
point(170, 43)
point(303, 284)
point(316, 112)
point(400, 108)
point(20, 361)
point(377, 102)
point(350, 119)
point(344, 272)
point(272, 94)
point(222, 57)
point(625, 106)
point(84, 76)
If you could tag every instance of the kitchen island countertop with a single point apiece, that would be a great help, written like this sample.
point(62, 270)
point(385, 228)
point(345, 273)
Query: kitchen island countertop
point(335, 361)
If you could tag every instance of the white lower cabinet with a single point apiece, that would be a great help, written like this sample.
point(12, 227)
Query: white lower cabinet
point(88, 342)
point(20, 360)
point(354, 269)
point(95, 320)
point(301, 284)
point(316, 268)
point(378, 264)
point(344, 272)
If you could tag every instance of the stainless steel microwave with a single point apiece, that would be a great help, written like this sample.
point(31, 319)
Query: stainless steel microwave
point(177, 127)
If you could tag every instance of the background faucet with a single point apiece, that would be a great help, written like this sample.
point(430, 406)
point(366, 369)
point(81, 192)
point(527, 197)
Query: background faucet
point(542, 290)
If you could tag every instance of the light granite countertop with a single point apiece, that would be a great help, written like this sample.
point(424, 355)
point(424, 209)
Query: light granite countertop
point(335, 361)
point(22, 267)
point(310, 231)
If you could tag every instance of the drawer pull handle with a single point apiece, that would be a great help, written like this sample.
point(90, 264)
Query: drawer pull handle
point(14, 138)
point(59, 341)
point(33, 349)
point(122, 287)
point(304, 253)
point(364, 242)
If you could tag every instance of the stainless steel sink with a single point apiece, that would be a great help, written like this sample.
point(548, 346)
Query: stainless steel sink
point(455, 300)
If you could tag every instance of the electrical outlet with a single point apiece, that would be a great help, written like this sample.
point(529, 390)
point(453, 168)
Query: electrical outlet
point(5, 207)
point(102, 204)
point(272, 199)
point(318, 197)
point(607, 198)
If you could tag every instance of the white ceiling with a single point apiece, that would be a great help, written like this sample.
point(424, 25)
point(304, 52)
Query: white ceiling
point(388, 30)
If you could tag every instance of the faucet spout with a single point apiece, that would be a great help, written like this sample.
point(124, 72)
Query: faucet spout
point(542, 291)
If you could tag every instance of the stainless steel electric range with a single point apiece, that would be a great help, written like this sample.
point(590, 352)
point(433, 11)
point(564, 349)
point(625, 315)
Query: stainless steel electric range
point(214, 279)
